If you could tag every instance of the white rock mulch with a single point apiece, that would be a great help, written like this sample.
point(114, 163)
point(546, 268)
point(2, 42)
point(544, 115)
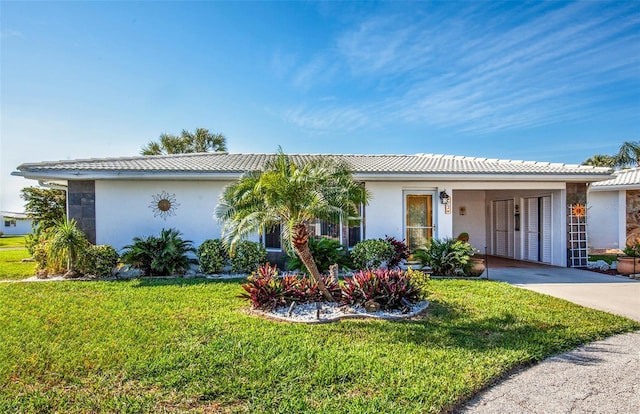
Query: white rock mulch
point(331, 312)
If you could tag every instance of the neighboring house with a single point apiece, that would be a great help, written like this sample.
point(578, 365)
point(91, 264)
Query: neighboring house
point(514, 209)
point(14, 223)
point(613, 218)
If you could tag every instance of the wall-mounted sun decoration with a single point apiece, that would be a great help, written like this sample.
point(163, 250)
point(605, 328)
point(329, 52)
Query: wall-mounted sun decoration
point(164, 205)
point(579, 210)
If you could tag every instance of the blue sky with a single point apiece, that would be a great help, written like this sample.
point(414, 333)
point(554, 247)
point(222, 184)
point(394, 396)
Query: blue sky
point(537, 81)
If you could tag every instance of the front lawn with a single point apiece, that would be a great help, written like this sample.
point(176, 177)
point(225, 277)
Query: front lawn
point(12, 241)
point(188, 346)
point(11, 267)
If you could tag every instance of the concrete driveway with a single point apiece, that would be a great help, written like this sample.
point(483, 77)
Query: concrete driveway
point(614, 294)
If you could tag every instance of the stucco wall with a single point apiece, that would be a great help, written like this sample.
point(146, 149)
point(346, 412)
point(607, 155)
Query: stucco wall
point(123, 210)
point(474, 220)
point(385, 213)
point(603, 220)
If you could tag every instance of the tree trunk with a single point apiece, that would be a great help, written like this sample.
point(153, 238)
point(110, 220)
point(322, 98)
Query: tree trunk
point(300, 239)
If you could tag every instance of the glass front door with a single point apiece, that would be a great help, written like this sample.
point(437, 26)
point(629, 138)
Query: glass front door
point(418, 220)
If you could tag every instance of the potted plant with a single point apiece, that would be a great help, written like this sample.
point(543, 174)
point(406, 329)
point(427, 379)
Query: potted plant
point(630, 262)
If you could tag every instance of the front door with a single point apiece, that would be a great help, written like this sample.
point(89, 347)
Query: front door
point(418, 219)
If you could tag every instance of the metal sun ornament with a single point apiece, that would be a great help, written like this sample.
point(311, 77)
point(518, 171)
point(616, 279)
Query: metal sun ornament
point(164, 205)
point(579, 210)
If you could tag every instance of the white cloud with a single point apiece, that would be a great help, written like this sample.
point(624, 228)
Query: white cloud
point(474, 71)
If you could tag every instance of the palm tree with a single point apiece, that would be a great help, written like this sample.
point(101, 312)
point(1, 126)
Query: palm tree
point(199, 141)
point(629, 154)
point(67, 240)
point(291, 196)
point(601, 160)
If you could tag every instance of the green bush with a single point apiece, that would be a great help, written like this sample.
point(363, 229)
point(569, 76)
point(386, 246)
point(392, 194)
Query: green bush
point(247, 256)
point(371, 253)
point(391, 289)
point(160, 256)
point(325, 253)
point(213, 256)
point(447, 257)
point(99, 260)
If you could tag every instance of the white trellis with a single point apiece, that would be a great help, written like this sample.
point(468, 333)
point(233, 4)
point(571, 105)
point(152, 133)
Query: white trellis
point(577, 235)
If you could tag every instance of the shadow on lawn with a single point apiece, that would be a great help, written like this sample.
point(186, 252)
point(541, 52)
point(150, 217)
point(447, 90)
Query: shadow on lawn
point(446, 326)
point(176, 281)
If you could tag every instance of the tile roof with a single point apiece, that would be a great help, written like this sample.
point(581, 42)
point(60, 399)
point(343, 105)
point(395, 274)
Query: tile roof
point(360, 164)
point(621, 178)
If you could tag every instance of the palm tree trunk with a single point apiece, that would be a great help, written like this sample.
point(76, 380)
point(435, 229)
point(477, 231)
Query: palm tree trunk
point(300, 239)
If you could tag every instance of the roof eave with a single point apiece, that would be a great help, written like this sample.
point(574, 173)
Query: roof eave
point(371, 176)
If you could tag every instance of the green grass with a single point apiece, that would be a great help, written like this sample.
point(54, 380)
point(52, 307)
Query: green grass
point(188, 346)
point(12, 241)
point(609, 258)
point(11, 268)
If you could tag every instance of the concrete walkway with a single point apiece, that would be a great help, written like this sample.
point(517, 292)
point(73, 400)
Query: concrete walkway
point(601, 377)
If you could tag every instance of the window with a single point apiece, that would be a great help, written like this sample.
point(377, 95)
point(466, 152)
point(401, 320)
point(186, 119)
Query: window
point(10, 223)
point(418, 220)
point(347, 235)
point(272, 237)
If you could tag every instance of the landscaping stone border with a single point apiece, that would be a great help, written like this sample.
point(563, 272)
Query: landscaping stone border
point(336, 315)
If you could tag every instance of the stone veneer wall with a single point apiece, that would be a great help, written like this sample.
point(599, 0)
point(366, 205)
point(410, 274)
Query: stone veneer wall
point(81, 196)
point(576, 193)
point(633, 215)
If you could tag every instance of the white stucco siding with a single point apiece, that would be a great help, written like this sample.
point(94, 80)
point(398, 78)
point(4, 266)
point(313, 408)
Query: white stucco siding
point(123, 210)
point(385, 213)
point(472, 219)
point(20, 227)
point(604, 222)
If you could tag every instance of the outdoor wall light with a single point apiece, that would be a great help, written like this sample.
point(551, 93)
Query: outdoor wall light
point(444, 197)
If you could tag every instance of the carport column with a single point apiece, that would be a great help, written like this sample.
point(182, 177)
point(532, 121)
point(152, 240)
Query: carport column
point(444, 225)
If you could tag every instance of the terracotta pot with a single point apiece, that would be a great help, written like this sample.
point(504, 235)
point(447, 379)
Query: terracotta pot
point(477, 266)
point(628, 265)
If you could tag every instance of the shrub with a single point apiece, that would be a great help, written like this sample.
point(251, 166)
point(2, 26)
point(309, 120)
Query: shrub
point(247, 256)
point(212, 256)
point(392, 289)
point(371, 253)
point(164, 255)
point(325, 253)
point(266, 291)
point(66, 243)
point(400, 251)
point(99, 260)
point(420, 280)
point(302, 289)
point(447, 257)
point(632, 249)
point(44, 261)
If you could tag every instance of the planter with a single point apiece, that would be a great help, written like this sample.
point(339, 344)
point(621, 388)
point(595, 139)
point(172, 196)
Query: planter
point(477, 266)
point(628, 265)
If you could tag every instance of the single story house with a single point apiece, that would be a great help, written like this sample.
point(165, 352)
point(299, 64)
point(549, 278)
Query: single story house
point(514, 209)
point(614, 211)
point(15, 223)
